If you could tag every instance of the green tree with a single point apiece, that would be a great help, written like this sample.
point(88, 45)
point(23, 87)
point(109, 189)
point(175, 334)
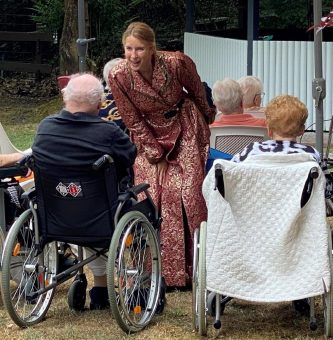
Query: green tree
point(67, 45)
point(49, 14)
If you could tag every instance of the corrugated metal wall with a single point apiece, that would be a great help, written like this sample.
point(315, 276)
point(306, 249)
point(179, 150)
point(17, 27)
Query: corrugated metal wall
point(283, 66)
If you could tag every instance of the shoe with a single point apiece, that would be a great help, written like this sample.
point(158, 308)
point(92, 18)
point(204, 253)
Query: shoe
point(99, 298)
point(302, 307)
point(65, 262)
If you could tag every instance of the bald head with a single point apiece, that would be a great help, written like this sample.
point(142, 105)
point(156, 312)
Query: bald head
point(83, 93)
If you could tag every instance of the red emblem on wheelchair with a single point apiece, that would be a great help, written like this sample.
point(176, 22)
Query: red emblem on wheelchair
point(72, 189)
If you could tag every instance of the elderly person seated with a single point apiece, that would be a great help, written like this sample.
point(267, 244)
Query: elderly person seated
point(286, 116)
point(228, 99)
point(108, 109)
point(68, 142)
point(252, 95)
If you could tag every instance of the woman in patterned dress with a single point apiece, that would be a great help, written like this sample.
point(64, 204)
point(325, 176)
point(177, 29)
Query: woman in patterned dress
point(163, 104)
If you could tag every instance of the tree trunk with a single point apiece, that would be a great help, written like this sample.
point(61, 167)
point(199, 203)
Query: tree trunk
point(67, 47)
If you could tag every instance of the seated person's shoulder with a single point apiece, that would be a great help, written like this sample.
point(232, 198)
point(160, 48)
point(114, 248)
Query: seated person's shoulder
point(120, 69)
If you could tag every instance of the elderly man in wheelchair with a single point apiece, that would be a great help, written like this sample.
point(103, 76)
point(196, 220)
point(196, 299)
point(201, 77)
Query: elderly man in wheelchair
point(83, 196)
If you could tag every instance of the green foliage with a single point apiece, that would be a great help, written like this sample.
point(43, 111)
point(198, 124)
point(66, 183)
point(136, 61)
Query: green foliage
point(166, 17)
point(211, 10)
point(109, 18)
point(15, 6)
point(106, 19)
point(284, 13)
point(48, 14)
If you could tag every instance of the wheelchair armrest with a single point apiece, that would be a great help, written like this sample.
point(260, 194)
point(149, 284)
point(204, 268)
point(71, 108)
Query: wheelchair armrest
point(101, 161)
point(133, 192)
point(12, 171)
point(314, 172)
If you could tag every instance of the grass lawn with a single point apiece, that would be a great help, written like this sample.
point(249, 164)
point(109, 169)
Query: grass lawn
point(240, 321)
point(20, 117)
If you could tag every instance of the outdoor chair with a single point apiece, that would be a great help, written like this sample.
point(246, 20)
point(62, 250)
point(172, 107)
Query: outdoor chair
point(233, 139)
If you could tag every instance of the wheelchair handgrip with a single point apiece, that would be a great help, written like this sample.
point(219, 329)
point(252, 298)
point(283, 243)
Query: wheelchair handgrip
point(309, 186)
point(219, 184)
point(101, 161)
point(314, 172)
point(133, 192)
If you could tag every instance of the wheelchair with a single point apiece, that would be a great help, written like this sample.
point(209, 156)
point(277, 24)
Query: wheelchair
point(9, 198)
point(87, 211)
point(212, 302)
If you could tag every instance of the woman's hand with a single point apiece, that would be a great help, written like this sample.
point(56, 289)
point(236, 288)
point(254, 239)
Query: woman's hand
point(162, 168)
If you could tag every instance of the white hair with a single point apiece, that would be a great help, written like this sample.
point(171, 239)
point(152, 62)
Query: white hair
point(108, 67)
point(84, 89)
point(227, 96)
point(251, 86)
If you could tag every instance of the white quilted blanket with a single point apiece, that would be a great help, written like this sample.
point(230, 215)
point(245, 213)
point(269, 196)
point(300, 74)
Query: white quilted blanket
point(260, 245)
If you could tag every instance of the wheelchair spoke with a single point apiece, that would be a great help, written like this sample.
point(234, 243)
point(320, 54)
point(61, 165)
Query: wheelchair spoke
point(24, 272)
point(134, 272)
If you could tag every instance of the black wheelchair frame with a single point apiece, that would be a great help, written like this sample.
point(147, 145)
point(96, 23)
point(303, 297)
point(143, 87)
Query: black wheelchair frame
point(30, 259)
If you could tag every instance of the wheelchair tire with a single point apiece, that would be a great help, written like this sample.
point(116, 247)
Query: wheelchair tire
point(328, 314)
point(195, 323)
point(2, 242)
point(24, 272)
point(76, 296)
point(134, 272)
point(201, 288)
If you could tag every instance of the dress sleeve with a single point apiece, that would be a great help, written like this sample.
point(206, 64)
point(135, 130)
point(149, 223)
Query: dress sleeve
point(123, 151)
point(190, 79)
point(143, 137)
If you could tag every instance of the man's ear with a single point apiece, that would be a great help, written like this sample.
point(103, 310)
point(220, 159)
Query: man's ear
point(257, 100)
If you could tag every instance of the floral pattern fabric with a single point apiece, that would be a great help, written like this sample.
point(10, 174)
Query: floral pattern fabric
point(167, 120)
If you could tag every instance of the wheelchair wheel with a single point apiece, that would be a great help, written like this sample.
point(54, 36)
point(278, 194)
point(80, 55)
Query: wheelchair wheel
point(195, 280)
point(2, 241)
point(24, 272)
point(134, 272)
point(76, 296)
point(199, 283)
point(328, 314)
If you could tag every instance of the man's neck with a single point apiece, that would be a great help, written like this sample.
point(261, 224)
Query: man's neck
point(73, 108)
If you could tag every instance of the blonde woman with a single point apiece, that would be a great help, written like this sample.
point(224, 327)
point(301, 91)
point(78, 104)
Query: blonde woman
point(163, 104)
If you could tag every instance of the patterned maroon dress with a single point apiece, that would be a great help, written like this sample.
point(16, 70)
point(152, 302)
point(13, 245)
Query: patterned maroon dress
point(165, 122)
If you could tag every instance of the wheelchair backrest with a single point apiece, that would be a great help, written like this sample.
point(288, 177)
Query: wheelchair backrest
point(264, 242)
point(77, 208)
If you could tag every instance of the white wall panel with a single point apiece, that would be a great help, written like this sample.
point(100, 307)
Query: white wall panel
point(283, 66)
point(216, 58)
